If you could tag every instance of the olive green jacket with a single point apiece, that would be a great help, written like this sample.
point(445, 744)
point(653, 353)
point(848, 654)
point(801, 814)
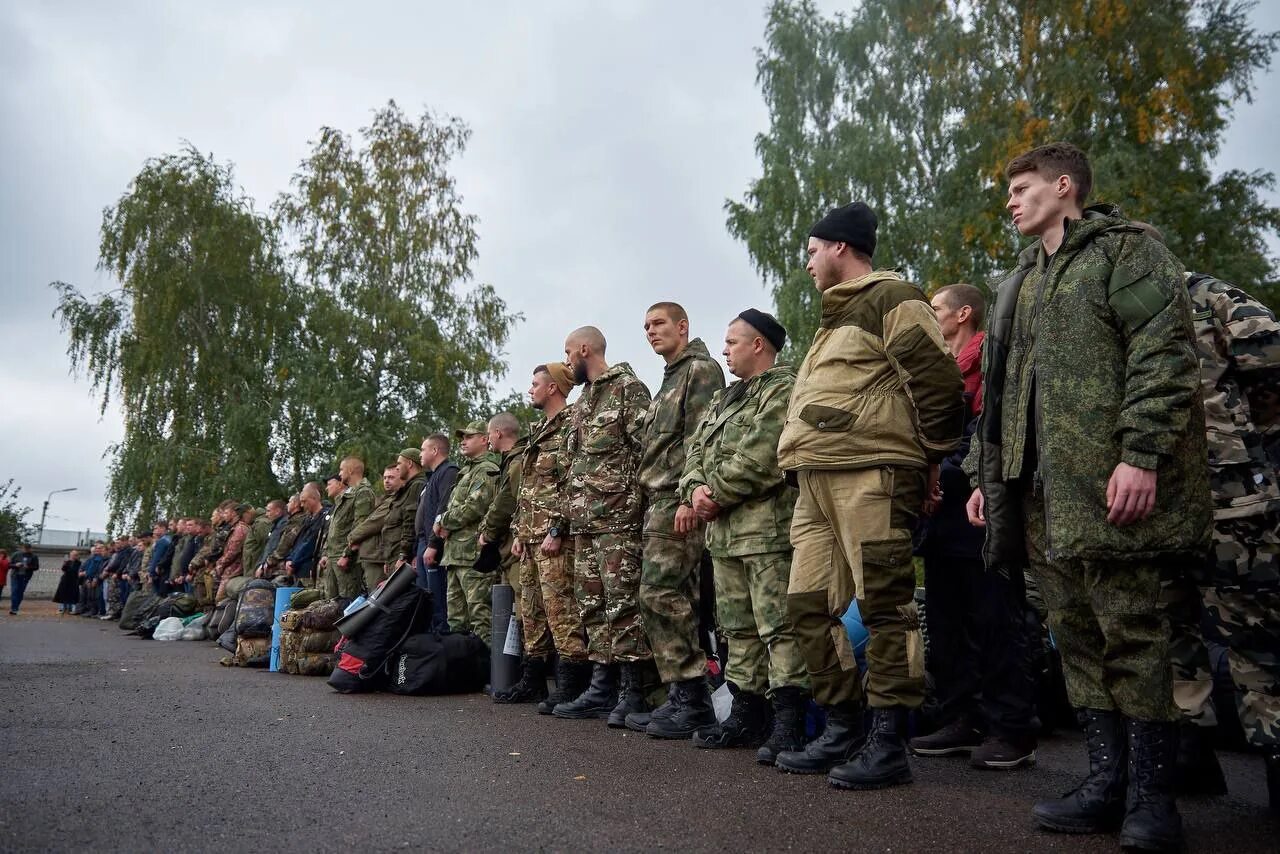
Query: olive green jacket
point(735, 455)
point(367, 533)
point(496, 525)
point(688, 384)
point(254, 542)
point(471, 497)
point(353, 505)
point(397, 529)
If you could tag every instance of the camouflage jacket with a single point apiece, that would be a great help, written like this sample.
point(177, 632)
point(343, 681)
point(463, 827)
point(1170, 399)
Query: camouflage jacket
point(1238, 342)
point(351, 508)
point(229, 565)
point(604, 448)
point(255, 542)
point(735, 455)
point(287, 538)
point(211, 550)
point(1106, 372)
point(397, 528)
point(367, 533)
point(471, 497)
point(496, 525)
point(544, 471)
point(688, 384)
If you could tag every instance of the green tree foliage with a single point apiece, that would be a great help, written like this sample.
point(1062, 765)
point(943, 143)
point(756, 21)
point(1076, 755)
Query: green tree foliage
point(188, 343)
point(14, 530)
point(398, 340)
point(914, 106)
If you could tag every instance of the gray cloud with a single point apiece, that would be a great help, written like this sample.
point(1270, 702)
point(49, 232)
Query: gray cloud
point(606, 138)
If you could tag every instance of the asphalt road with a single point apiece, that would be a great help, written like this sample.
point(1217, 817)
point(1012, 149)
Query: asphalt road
point(113, 743)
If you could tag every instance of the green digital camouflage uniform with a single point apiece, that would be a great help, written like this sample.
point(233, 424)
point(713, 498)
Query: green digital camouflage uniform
point(254, 542)
point(496, 525)
point(605, 513)
point(548, 607)
point(669, 569)
point(353, 506)
point(735, 455)
point(1089, 361)
point(469, 591)
point(1238, 343)
point(367, 536)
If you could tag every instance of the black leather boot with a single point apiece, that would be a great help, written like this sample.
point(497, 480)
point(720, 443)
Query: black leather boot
point(746, 726)
point(1097, 804)
point(639, 721)
point(842, 735)
point(1151, 820)
point(691, 711)
point(532, 686)
point(881, 761)
point(635, 685)
point(572, 678)
point(789, 703)
point(1197, 771)
point(596, 701)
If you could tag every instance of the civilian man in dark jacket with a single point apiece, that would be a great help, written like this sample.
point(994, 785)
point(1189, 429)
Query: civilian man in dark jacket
point(427, 548)
point(20, 572)
point(161, 558)
point(305, 553)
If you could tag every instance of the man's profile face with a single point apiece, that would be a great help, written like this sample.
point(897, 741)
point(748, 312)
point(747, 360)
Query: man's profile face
point(391, 479)
point(664, 335)
point(333, 486)
point(345, 474)
point(493, 437)
point(575, 360)
point(948, 319)
point(822, 266)
point(424, 455)
point(1037, 203)
point(474, 444)
point(739, 346)
point(540, 390)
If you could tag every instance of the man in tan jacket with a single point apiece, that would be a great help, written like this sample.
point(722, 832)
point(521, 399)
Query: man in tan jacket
point(878, 403)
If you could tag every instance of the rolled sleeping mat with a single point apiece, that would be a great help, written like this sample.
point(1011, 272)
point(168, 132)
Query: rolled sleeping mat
point(400, 582)
point(504, 669)
point(283, 595)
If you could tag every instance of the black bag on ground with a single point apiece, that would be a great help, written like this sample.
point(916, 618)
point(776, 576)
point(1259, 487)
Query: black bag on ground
point(227, 640)
point(135, 610)
point(362, 660)
point(256, 610)
point(430, 663)
point(147, 628)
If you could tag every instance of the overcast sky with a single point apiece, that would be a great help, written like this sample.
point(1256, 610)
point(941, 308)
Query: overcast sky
point(606, 139)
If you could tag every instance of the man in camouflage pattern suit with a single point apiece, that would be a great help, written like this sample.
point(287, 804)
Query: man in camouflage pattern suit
point(351, 507)
point(605, 515)
point(548, 610)
point(673, 536)
point(202, 565)
point(505, 441)
point(365, 540)
point(470, 606)
point(732, 480)
point(1092, 471)
point(1238, 343)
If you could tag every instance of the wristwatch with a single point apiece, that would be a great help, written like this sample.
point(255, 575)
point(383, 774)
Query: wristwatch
point(554, 532)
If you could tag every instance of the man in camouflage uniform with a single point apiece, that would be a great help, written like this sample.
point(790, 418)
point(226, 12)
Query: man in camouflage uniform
point(605, 442)
point(1092, 471)
point(352, 506)
point(274, 562)
point(202, 565)
point(365, 540)
point(732, 480)
point(673, 535)
point(1238, 344)
point(255, 541)
point(549, 611)
point(397, 529)
point(470, 590)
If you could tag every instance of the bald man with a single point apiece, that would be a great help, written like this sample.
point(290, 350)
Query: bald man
point(343, 579)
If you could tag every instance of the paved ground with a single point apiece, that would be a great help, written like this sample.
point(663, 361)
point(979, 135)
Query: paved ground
point(112, 743)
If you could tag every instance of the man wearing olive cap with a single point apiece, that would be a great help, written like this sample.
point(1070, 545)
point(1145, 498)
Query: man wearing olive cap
point(877, 405)
point(469, 590)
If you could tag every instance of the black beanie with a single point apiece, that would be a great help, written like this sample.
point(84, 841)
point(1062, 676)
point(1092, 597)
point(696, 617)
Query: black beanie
point(854, 224)
point(767, 325)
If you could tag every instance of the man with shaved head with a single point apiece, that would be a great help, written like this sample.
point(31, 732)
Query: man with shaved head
point(343, 579)
point(605, 442)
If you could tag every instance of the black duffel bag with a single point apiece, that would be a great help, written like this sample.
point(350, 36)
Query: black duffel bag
point(362, 660)
point(430, 663)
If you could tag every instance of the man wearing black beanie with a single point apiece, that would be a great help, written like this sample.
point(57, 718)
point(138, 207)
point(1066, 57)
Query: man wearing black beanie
point(877, 405)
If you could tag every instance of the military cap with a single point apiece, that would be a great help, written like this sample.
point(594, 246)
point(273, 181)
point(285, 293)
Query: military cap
point(413, 455)
point(561, 376)
point(334, 476)
point(473, 428)
point(767, 325)
point(241, 507)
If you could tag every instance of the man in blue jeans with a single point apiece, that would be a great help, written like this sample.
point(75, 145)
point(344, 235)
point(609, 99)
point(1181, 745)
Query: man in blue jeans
point(24, 564)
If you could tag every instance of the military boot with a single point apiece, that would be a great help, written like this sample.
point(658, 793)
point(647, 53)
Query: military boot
point(596, 701)
point(789, 703)
point(842, 735)
point(572, 678)
point(1273, 778)
point(639, 721)
point(692, 710)
point(1197, 771)
point(881, 761)
point(1151, 820)
point(632, 692)
point(532, 686)
point(1097, 804)
point(746, 726)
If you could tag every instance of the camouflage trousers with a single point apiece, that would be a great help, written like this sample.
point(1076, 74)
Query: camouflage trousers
point(372, 575)
point(606, 582)
point(669, 584)
point(1239, 592)
point(852, 537)
point(1108, 625)
point(470, 601)
point(559, 603)
point(533, 613)
point(751, 611)
point(205, 585)
point(338, 582)
point(115, 599)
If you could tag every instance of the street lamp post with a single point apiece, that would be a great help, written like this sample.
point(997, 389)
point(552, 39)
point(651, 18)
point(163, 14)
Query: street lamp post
point(45, 510)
